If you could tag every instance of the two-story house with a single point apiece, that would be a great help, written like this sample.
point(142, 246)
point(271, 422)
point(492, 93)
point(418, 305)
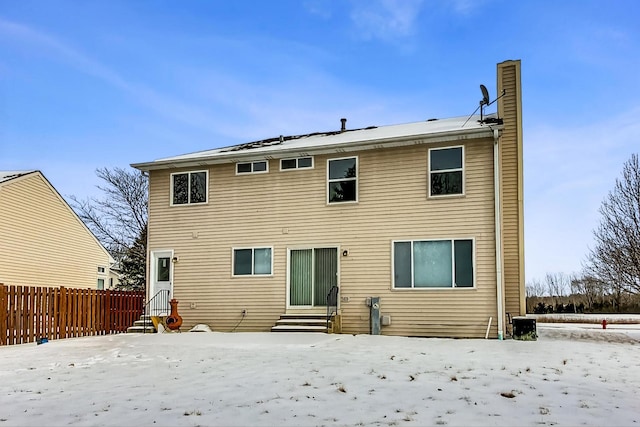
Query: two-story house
point(426, 216)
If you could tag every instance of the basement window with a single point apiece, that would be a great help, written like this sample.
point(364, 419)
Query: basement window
point(433, 264)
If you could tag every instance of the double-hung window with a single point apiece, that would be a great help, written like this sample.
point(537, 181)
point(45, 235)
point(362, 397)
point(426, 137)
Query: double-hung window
point(446, 171)
point(252, 167)
point(189, 187)
point(343, 180)
point(433, 264)
point(252, 261)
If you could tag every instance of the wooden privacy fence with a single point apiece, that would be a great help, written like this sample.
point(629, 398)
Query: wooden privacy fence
point(29, 313)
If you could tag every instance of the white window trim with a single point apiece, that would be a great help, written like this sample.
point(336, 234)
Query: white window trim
point(253, 248)
point(356, 179)
point(313, 163)
point(252, 166)
point(453, 271)
point(303, 248)
point(464, 186)
point(206, 181)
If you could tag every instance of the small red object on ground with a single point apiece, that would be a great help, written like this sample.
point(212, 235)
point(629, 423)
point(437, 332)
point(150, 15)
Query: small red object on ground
point(604, 324)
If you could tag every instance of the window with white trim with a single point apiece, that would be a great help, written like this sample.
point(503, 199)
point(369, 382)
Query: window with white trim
point(342, 180)
point(297, 163)
point(252, 167)
point(189, 188)
point(252, 261)
point(446, 171)
point(100, 284)
point(433, 264)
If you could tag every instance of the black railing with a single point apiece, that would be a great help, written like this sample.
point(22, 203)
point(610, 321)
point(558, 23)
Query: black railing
point(332, 304)
point(158, 305)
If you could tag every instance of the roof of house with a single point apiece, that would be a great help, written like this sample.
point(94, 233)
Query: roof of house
point(340, 141)
point(9, 175)
point(6, 176)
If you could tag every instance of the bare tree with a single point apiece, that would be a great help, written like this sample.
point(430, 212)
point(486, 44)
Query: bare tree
point(558, 284)
point(119, 221)
point(535, 288)
point(589, 288)
point(615, 259)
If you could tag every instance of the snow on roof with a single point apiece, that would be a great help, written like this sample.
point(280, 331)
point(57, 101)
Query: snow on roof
point(9, 175)
point(433, 130)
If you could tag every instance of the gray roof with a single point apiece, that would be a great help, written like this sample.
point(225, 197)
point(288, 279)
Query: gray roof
point(423, 132)
point(9, 175)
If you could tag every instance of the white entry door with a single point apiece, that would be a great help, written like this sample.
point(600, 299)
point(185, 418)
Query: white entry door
point(161, 281)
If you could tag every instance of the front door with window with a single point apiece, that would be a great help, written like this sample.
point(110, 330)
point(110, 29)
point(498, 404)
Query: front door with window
point(312, 273)
point(161, 281)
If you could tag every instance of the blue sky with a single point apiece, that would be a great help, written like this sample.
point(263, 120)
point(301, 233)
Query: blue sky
point(89, 84)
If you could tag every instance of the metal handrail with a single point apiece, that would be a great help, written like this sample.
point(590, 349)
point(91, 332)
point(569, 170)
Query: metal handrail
point(159, 302)
point(332, 301)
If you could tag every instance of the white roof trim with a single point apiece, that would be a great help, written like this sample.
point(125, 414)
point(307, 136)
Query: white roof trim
point(426, 132)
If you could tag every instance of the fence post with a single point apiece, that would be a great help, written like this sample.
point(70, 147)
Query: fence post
point(63, 312)
point(4, 312)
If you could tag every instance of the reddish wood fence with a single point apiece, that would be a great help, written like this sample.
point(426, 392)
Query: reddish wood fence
point(29, 313)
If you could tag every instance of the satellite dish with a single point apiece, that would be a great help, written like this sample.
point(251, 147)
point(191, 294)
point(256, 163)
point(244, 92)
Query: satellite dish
point(485, 95)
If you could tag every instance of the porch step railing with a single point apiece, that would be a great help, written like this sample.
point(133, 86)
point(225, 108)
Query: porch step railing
point(332, 304)
point(158, 305)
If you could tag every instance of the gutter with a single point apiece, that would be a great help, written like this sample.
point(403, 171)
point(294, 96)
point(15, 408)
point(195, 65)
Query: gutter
point(498, 233)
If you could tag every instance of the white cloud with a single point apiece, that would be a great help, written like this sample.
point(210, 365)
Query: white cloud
point(386, 19)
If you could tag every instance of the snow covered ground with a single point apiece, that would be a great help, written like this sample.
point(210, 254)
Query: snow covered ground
point(572, 375)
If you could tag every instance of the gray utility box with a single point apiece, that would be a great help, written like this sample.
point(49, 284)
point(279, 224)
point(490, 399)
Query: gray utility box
point(374, 315)
point(524, 329)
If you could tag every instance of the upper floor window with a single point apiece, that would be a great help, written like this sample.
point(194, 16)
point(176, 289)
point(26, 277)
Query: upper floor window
point(252, 261)
point(446, 167)
point(297, 163)
point(252, 167)
point(433, 264)
point(189, 187)
point(343, 180)
point(101, 269)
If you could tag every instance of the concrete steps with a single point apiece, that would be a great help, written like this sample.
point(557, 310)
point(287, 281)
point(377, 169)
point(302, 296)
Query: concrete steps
point(301, 323)
point(142, 326)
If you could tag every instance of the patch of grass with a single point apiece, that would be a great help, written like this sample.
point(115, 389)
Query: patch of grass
point(341, 389)
point(507, 394)
point(454, 378)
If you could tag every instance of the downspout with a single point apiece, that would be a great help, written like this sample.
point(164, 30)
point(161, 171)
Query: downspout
point(498, 233)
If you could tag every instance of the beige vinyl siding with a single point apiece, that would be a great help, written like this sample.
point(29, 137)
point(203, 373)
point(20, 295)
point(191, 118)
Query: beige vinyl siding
point(512, 210)
point(289, 210)
point(43, 242)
